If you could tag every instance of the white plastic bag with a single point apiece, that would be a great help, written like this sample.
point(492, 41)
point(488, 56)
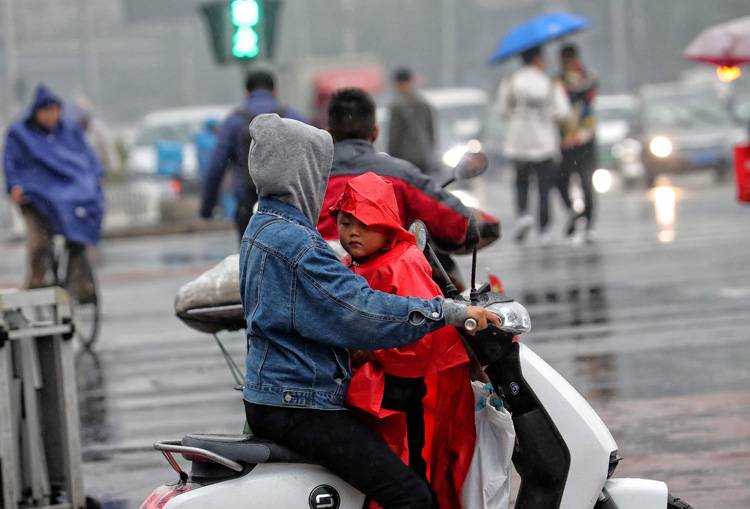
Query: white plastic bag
point(488, 482)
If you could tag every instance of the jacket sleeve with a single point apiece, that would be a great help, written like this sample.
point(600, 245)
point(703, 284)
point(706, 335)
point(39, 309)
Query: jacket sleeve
point(336, 307)
point(447, 219)
point(12, 163)
point(221, 157)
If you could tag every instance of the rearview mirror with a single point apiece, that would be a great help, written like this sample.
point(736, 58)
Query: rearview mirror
point(419, 230)
point(471, 165)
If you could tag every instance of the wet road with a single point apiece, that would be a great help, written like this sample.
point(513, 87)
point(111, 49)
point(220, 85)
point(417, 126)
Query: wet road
point(650, 324)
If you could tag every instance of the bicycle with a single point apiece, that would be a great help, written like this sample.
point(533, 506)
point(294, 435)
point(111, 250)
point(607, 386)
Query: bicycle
point(84, 308)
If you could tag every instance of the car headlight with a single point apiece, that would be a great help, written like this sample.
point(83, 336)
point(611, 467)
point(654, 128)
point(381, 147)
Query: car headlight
point(661, 146)
point(453, 156)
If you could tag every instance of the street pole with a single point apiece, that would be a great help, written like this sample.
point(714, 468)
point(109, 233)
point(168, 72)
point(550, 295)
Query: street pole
point(617, 20)
point(11, 60)
point(448, 43)
point(90, 57)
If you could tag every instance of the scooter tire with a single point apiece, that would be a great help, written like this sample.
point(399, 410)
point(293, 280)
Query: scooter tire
point(677, 503)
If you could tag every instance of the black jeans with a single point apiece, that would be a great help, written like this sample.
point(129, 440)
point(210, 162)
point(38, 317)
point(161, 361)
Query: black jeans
point(544, 171)
point(581, 160)
point(343, 444)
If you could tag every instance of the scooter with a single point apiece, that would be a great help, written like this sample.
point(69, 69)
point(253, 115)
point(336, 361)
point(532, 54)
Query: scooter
point(564, 455)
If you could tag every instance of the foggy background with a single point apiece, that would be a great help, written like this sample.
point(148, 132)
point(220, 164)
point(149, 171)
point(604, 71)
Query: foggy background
point(133, 56)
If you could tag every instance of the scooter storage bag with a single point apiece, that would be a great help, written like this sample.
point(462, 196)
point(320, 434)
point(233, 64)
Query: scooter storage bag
point(742, 172)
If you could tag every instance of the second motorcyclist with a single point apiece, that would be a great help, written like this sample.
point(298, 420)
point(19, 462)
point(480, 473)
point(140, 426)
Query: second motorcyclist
point(351, 121)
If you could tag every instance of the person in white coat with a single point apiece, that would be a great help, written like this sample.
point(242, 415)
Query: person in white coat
point(534, 107)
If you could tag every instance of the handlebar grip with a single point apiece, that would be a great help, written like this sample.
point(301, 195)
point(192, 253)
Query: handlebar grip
point(470, 324)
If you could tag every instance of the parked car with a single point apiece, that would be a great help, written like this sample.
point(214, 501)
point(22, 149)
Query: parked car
point(459, 115)
point(168, 134)
point(684, 128)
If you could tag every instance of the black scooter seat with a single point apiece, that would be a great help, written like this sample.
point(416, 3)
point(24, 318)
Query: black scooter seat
point(246, 449)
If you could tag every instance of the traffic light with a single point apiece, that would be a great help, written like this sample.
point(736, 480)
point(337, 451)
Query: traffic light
point(245, 15)
point(241, 30)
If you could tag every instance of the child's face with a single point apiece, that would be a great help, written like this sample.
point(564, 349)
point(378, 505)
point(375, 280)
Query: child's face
point(357, 239)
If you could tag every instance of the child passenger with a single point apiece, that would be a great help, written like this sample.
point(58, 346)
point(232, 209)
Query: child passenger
point(419, 395)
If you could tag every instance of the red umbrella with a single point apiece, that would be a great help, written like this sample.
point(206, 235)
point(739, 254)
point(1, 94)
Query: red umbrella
point(725, 45)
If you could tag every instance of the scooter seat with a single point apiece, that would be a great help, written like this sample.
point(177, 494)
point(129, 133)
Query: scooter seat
point(246, 449)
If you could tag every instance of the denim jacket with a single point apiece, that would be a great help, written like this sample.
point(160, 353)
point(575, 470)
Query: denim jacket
point(304, 309)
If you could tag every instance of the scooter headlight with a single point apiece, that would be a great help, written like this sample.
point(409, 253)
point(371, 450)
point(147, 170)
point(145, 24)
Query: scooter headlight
point(661, 146)
point(514, 317)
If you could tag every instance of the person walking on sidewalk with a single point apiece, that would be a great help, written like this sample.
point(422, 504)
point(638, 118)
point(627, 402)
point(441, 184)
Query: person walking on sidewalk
point(53, 176)
point(579, 143)
point(411, 131)
point(232, 148)
point(534, 106)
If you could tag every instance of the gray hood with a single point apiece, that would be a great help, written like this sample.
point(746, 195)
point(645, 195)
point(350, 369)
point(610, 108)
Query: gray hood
point(290, 161)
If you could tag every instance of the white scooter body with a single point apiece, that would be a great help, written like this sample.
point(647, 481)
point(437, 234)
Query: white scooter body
point(589, 443)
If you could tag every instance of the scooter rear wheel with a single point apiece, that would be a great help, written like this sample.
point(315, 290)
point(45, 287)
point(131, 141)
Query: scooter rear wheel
point(677, 503)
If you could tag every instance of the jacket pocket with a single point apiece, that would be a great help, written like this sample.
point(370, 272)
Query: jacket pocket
point(343, 373)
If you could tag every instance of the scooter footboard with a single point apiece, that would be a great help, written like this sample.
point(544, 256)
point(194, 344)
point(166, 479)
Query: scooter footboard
point(637, 493)
point(274, 486)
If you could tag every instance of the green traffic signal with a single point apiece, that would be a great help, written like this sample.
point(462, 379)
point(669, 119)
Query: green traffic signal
point(245, 15)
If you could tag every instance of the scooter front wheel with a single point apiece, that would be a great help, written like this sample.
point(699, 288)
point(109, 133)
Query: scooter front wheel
point(677, 503)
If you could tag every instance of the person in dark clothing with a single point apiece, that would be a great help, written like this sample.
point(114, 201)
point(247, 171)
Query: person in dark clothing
point(232, 146)
point(578, 143)
point(411, 133)
point(453, 226)
point(351, 120)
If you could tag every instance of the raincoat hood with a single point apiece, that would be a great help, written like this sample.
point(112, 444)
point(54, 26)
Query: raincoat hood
point(43, 97)
point(372, 200)
point(290, 161)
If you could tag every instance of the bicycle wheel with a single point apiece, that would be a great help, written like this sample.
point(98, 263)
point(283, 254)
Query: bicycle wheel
point(84, 295)
point(86, 317)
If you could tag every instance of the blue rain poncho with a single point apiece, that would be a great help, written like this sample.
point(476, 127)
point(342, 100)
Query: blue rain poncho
point(58, 172)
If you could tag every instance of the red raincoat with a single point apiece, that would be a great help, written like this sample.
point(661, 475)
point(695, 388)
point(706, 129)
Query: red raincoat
point(439, 357)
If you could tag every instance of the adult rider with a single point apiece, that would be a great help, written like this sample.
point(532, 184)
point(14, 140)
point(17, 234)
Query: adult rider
point(304, 309)
point(351, 122)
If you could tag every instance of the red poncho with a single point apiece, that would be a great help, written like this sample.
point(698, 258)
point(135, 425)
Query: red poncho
point(439, 357)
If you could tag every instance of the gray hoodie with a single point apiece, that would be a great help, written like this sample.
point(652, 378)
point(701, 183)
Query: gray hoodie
point(290, 161)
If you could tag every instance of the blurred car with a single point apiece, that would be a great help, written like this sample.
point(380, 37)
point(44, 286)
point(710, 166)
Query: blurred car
point(614, 118)
point(741, 108)
point(459, 116)
point(682, 128)
point(163, 142)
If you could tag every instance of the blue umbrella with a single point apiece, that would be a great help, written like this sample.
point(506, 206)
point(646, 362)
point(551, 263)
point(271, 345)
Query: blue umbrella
point(536, 31)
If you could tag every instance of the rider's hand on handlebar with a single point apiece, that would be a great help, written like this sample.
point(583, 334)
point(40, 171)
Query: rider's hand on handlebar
point(16, 194)
point(482, 317)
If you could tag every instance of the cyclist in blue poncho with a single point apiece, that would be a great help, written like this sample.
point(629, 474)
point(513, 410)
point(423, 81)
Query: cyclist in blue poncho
point(54, 177)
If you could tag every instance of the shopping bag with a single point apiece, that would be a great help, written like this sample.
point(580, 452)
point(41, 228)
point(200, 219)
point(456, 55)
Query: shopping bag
point(488, 482)
point(742, 172)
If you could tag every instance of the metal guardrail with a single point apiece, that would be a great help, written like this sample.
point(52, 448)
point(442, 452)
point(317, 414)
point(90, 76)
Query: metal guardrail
point(40, 450)
point(128, 204)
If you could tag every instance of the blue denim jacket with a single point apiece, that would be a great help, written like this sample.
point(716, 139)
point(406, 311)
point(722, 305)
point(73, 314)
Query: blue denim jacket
point(304, 309)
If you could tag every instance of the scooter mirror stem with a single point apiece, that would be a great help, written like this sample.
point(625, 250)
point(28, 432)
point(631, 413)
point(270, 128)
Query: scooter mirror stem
point(450, 289)
point(474, 294)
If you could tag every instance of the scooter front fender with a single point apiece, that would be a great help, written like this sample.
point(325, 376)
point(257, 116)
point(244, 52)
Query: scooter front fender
point(637, 493)
point(274, 486)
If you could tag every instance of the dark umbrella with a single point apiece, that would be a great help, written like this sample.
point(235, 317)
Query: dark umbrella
point(537, 31)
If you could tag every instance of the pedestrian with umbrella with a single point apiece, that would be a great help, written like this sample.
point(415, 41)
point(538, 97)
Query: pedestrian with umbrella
point(727, 46)
point(535, 107)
